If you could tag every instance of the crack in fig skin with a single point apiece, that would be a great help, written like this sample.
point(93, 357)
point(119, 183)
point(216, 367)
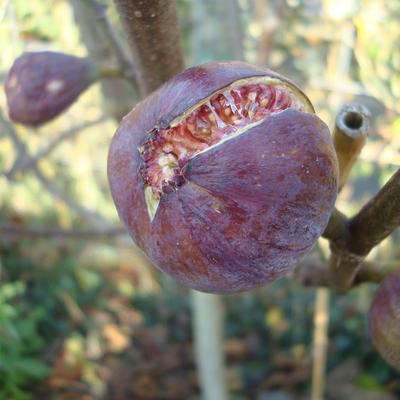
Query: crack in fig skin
point(249, 208)
point(384, 319)
point(165, 151)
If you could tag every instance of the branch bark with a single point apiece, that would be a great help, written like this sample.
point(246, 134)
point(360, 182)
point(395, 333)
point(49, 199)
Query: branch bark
point(313, 272)
point(153, 34)
point(375, 221)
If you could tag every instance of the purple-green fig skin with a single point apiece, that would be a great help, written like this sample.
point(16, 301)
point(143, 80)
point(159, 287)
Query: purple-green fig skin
point(41, 85)
point(384, 319)
point(249, 209)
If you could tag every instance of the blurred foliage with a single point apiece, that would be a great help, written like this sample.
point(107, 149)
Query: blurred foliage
point(88, 319)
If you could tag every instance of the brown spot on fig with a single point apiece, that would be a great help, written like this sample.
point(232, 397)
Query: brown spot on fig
point(207, 161)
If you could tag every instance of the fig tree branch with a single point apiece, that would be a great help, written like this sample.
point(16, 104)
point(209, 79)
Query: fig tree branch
point(100, 12)
point(377, 219)
point(22, 154)
point(313, 272)
point(93, 217)
point(119, 95)
point(374, 222)
point(29, 161)
point(18, 232)
point(153, 34)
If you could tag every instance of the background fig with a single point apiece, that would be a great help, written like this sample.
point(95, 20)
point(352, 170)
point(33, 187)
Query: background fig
point(384, 319)
point(41, 85)
point(224, 176)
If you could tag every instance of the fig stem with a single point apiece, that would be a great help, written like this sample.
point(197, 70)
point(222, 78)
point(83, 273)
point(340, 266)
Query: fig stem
point(349, 137)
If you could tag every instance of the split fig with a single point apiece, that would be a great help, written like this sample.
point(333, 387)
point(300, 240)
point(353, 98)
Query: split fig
point(384, 319)
point(224, 176)
point(41, 85)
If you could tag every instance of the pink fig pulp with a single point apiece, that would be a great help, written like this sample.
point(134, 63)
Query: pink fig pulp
point(224, 176)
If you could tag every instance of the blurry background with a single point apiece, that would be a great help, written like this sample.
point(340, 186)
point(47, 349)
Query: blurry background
point(82, 316)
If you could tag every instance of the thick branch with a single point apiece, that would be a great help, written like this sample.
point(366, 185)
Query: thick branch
point(152, 29)
point(377, 219)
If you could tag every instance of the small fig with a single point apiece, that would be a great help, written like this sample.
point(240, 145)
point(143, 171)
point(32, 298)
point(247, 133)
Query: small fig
point(384, 319)
point(41, 85)
point(224, 177)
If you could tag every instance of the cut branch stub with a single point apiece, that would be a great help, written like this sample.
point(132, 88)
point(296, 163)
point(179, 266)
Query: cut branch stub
point(350, 134)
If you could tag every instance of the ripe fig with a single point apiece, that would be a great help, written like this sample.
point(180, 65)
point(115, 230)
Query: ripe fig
point(224, 177)
point(384, 319)
point(41, 85)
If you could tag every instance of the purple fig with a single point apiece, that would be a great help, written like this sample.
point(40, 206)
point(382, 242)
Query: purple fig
point(41, 85)
point(224, 176)
point(384, 319)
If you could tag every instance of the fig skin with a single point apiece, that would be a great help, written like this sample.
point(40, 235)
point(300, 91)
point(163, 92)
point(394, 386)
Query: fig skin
point(250, 207)
point(41, 85)
point(384, 319)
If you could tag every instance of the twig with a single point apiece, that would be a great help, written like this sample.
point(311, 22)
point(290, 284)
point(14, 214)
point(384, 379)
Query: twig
point(95, 218)
point(100, 12)
point(119, 95)
point(22, 154)
point(27, 162)
point(153, 34)
point(312, 272)
point(51, 232)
